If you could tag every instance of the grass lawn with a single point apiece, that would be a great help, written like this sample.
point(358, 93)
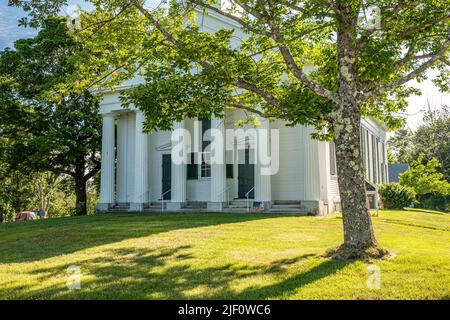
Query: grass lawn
point(220, 256)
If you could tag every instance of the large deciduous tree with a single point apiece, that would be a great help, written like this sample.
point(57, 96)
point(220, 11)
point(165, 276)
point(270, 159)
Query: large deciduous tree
point(258, 63)
point(46, 134)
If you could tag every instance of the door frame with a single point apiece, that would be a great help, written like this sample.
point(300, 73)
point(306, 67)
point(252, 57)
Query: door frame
point(164, 186)
point(250, 168)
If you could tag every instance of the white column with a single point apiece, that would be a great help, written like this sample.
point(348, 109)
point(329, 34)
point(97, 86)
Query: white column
point(218, 168)
point(122, 154)
point(179, 167)
point(108, 157)
point(263, 187)
point(141, 186)
point(310, 168)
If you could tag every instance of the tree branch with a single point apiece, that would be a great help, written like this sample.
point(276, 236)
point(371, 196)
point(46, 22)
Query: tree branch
point(417, 28)
point(246, 108)
point(290, 61)
point(446, 61)
point(336, 10)
point(232, 17)
point(395, 10)
point(239, 83)
point(93, 172)
point(414, 74)
point(249, 9)
point(102, 23)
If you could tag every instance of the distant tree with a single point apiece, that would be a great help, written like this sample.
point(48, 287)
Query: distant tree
point(60, 135)
point(424, 178)
point(391, 156)
point(432, 138)
point(401, 145)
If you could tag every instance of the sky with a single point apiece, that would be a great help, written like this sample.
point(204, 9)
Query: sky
point(9, 31)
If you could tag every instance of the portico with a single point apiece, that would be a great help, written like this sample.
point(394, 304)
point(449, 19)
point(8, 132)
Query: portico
point(138, 171)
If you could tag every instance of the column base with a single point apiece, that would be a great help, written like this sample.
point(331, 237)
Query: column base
point(103, 207)
point(137, 207)
point(215, 206)
point(174, 206)
point(314, 207)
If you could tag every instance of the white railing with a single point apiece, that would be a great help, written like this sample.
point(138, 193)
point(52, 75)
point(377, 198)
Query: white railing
point(163, 201)
point(248, 200)
point(374, 194)
point(227, 194)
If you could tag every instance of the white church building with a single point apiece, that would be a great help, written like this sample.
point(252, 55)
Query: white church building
point(138, 173)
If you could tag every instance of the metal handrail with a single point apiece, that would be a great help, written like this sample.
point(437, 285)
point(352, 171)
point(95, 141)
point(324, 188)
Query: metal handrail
point(375, 193)
point(162, 199)
point(247, 195)
point(227, 194)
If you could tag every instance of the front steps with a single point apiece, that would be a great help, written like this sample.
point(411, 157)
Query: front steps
point(239, 206)
point(288, 207)
point(234, 206)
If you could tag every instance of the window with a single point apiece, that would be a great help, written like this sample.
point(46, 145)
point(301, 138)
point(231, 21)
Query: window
point(382, 160)
point(205, 167)
point(332, 159)
point(364, 151)
point(206, 125)
point(374, 160)
point(192, 168)
point(229, 171)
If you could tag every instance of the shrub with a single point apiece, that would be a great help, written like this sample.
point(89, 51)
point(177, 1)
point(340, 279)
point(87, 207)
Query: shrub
point(396, 196)
point(434, 202)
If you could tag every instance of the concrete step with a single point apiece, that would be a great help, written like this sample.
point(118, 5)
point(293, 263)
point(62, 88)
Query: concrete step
point(287, 202)
point(240, 203)
point(286, 206)
point(297, 211)
point(196, 205)
point(236, 210)
point(286, 209)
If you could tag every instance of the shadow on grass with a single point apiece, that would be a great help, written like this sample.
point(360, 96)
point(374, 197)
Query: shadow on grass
point(37, 240)
point(169, 274)
point(412, 224)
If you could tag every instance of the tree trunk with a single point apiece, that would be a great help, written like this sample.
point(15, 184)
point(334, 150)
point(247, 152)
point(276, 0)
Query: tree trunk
point(358, 230)
point(80, 187)
point(81, 196)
